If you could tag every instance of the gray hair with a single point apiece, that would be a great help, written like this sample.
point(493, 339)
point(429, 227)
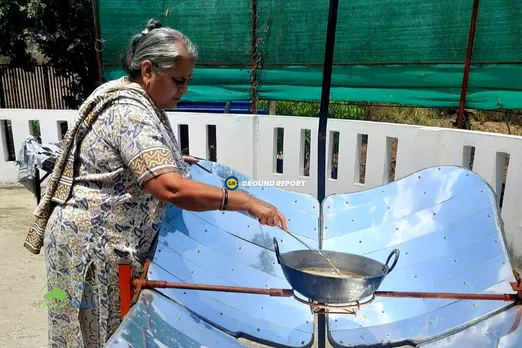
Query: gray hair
point(160, 46)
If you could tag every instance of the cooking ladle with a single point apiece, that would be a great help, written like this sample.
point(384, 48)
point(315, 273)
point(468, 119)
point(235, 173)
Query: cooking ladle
point(308, 247)
point(300, 241)
point(314, 250)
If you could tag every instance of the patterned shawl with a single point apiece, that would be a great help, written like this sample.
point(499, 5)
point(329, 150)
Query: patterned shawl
point(62, 178)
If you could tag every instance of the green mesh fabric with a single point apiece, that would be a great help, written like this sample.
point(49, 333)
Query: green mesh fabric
point(408, 52)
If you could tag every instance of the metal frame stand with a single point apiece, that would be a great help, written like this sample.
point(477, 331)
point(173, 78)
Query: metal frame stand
point(130, 290)
point(38, 184)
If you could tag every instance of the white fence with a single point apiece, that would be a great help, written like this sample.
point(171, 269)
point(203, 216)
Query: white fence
point(248, 144)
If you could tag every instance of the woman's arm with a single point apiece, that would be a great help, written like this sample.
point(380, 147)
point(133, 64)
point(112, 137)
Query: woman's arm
point(192, 195)
point(137, 136)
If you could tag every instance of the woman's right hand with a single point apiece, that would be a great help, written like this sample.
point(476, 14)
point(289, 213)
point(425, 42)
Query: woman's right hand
point(267, 214)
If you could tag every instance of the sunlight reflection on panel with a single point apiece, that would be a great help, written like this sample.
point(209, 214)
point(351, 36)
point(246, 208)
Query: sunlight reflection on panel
point(156, 321)
point(445, 222)
point(232, 248)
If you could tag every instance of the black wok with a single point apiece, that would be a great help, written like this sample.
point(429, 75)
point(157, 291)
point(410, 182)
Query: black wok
point(309, 274)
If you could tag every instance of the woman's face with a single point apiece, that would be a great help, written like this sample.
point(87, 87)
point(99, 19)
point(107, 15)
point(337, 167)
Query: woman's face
point(167, 88)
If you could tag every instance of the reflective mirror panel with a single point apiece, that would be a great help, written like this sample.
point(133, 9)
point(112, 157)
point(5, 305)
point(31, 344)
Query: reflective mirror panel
point(156, 321)
point(502, 330)
point(445, 222)
point(232, 248)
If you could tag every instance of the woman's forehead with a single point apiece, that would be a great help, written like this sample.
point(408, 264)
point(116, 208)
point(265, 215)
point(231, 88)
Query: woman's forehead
point(183, 69)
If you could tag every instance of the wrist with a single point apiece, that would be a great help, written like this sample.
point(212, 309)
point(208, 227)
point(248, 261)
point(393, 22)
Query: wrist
point(250, 203)
point(240, 201)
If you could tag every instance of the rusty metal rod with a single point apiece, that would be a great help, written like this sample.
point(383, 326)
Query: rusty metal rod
point(254, 57)
point(320, 64)
point(442, 295)
point(99, 58)
point(289, 293)
point(163, 284)
point(469, 51)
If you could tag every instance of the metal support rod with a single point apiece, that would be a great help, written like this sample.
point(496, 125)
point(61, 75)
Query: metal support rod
point(37, 185)
point(471, 39)
point(321, 137)
point(325, 98)
point(456, 296)
point(319, 64)
point(98, 41)
point(254, 56)
point(2, 97)
point(151, 284)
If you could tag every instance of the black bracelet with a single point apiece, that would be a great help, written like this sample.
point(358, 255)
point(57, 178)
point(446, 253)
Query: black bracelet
point(222, 199)
point(225, 200)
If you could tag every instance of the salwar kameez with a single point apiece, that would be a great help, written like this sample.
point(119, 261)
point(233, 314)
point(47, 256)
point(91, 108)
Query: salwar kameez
point(105, 208)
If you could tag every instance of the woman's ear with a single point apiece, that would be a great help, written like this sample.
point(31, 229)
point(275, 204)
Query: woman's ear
point(146, 71)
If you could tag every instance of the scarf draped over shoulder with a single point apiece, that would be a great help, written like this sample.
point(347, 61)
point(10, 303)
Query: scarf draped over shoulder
point(61, 181)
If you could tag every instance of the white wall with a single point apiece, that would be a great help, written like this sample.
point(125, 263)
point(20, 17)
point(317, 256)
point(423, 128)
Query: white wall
point(247, 143)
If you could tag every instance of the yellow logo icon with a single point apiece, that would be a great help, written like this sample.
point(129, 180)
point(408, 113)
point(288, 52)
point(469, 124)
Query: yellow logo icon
point(231, 183)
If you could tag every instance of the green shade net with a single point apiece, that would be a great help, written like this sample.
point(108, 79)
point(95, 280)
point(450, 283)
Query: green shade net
point(409, 52)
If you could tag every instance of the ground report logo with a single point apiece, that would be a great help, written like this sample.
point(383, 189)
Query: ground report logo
point(231, 183)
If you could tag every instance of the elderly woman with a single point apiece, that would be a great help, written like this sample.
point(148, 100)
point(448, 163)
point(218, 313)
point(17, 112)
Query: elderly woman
point(120, 164)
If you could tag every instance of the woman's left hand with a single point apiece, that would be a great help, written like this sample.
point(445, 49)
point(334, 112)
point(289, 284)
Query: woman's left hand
point(190, 159)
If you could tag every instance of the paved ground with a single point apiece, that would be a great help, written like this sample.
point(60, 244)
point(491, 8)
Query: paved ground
point(22, 324)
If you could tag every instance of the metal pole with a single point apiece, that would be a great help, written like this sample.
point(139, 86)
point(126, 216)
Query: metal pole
point(467, 64)
point(325, 98)
point(254, 57)
point(153, 284)
point(321, 153)
point(446, 295)
point(98, 41)
point(2, 96)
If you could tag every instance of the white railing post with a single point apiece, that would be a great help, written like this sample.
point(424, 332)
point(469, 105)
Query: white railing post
point(235, 137)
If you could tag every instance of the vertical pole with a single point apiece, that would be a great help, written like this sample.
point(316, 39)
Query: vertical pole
point(98, 41)
point(125, 283)
point(325, 98)
point(2, 97)
point(471, 39)
point(47, 87)
point(37, 185)
point(321, 153)
point(272, 110)
point(254, 56)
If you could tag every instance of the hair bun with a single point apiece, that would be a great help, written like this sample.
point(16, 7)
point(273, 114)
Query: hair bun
point(153, 24)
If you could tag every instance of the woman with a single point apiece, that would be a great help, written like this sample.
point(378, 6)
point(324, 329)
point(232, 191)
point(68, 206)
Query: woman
point(120, 164)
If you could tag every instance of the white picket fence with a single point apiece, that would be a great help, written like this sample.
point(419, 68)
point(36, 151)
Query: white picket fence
point(248, 144)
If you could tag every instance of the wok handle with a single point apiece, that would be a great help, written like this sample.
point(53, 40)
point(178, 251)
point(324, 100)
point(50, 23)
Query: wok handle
point(276, 249)
point(395, 252)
